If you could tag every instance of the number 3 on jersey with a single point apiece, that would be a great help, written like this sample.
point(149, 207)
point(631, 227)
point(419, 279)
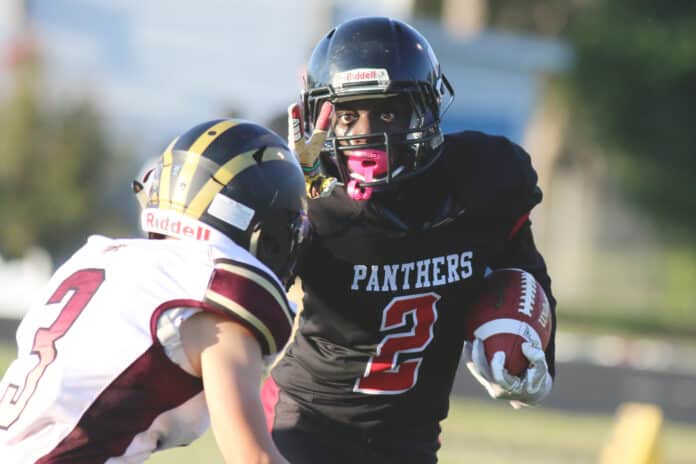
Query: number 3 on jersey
point(81, 286)
point(384, 374)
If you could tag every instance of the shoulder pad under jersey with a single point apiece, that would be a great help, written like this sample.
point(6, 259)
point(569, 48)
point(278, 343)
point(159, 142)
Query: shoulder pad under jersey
point(491, 174)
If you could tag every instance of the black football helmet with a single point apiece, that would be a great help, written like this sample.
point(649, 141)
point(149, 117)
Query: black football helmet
point(375, 57)
point(237, 178)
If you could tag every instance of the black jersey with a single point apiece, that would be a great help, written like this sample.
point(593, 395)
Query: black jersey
point(380, 337)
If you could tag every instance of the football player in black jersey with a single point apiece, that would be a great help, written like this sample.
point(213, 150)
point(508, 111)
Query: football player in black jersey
point(406, 223)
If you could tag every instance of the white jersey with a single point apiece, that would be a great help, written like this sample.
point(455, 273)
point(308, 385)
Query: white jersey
point(100, 374)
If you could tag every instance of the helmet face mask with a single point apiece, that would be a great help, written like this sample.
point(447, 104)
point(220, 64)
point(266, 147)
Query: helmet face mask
point(229, 180)
point(380, 58)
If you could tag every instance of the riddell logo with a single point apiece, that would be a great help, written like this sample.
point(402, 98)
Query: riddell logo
point(379, 76)
point(176, 227)
point(361, 75)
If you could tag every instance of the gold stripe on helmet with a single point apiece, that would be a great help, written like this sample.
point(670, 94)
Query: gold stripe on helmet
point(165, 178)
point(223, 175)
point(193, 156)
point(210, 134)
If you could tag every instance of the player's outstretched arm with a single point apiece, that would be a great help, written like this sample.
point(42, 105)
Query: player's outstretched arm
point(229, 360)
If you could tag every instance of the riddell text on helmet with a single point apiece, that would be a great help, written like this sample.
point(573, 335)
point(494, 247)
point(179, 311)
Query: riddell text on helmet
point(155, 221)
point(360, 75)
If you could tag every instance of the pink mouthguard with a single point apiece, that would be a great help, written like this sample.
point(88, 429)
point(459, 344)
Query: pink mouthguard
point(369, 164)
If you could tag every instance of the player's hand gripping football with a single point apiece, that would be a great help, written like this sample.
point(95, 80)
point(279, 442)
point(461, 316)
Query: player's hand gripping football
point(528, 390)
point(308, 149)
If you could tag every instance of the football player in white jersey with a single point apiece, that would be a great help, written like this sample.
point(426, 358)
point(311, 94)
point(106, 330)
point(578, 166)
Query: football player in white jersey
point(136, 345)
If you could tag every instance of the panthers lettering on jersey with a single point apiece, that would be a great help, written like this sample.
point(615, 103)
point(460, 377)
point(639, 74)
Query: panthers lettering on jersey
point(379, 339)
point(92, 382)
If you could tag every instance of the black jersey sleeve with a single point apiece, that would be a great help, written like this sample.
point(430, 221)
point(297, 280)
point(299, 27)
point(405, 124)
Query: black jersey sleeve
point(493, 176)
point(500, 185)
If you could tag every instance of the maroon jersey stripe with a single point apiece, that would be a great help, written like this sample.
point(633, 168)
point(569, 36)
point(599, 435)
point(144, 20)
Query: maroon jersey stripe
point(254, 299)
point(518, 225)
point(127, 407)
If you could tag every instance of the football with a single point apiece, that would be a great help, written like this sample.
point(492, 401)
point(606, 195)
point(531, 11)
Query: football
point(511, 308)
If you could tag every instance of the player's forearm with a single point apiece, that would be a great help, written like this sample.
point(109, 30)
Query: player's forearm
point(240, 428)
point(232, 370)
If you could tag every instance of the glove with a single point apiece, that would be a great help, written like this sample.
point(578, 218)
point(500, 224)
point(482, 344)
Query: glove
point(528, 390)
point(307, 150)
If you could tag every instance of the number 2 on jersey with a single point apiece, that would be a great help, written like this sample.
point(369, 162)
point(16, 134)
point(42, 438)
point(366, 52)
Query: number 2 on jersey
point(83, 285)
point(384, 375)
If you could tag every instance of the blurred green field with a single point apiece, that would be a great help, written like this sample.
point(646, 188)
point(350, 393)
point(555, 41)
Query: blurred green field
point(631, 298)
point(490, 433)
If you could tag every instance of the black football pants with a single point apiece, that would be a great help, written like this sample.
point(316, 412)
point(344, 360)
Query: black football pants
point(305, 438)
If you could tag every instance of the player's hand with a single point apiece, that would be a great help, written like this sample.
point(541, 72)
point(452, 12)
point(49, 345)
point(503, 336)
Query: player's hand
point(528, 390)
point(318, 184)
